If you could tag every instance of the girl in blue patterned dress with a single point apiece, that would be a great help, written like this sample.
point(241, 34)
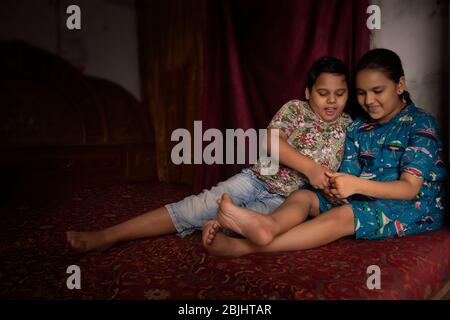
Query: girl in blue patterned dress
point(390, 183)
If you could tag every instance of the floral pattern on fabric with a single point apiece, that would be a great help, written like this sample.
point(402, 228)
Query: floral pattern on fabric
point(35, 257)
point(321, 141)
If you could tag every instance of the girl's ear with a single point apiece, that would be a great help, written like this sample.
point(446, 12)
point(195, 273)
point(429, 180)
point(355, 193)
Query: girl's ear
point(401, 86)
point(307, 94)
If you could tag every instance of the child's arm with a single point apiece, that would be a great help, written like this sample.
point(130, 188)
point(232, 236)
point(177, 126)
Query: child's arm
point(290, 157)
point(418, 159)
point(345, 185)
point(349, 164)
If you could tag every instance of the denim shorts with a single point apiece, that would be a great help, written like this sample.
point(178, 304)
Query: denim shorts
point(245, 189)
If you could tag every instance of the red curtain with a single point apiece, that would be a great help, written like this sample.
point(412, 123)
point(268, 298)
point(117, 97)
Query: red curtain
point(257, 55)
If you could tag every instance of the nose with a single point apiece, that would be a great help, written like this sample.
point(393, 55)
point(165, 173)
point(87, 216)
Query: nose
point(331, 99)
point(370, 99)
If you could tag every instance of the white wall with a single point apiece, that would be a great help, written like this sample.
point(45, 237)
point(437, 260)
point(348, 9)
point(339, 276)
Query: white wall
point(106, 46)
point(415, 30)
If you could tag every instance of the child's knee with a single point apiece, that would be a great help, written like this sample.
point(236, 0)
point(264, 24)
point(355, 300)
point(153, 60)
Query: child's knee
point(301, 195)
point(345, 218)
point(306, 198)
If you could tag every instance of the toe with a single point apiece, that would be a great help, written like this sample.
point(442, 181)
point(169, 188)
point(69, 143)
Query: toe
point(226, 197)
point(74, 244)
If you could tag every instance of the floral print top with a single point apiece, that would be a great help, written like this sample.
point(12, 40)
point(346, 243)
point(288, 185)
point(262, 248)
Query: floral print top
point(321, 141)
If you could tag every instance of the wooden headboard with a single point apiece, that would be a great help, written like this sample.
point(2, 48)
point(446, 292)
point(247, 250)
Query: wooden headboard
point(58, 124)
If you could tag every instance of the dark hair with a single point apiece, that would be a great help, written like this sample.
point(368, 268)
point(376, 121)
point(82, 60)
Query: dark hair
point(386, 61)
point(326, 64)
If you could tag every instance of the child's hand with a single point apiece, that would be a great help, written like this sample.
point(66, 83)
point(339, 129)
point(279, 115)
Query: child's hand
point(342, 185)
point(331, 198)
point(317, 177)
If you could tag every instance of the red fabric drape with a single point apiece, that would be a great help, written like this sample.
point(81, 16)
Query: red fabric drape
point(257, 55)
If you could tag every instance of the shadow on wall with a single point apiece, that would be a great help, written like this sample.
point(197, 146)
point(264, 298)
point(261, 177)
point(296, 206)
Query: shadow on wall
point(68, 128)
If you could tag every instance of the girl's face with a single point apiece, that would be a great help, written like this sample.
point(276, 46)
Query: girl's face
point(328, 96)
point(379, 95)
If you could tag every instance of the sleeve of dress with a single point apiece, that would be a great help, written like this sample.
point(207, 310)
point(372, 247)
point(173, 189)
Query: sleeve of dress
point(288, 117)
point(350, 162)
point(423, 147)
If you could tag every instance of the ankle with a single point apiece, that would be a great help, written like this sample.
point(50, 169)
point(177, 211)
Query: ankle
point(263, 237)
point(270, 228)
point(109, 235)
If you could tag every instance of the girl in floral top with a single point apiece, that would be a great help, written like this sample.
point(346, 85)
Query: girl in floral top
point(390, 183)
point(311, 141)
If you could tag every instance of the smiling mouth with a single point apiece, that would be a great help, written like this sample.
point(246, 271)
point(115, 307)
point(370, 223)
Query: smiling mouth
point(373, 109)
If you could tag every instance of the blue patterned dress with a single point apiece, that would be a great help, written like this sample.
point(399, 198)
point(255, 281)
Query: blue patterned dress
point(410, 143)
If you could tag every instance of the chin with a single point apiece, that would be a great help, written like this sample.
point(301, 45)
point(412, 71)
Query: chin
point(329, 119)
point(375, 116)
point(324, 116)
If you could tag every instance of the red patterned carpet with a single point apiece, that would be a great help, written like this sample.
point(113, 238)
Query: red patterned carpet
point(34, 257)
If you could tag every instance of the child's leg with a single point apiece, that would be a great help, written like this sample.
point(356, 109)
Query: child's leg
point(261, 229)
point(184, 216)
point(327, 227)
point(153, 223)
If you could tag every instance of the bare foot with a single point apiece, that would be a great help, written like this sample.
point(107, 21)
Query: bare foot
point(87, 241)
point(209, 232)
point(226, 246)
point(258, 228)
